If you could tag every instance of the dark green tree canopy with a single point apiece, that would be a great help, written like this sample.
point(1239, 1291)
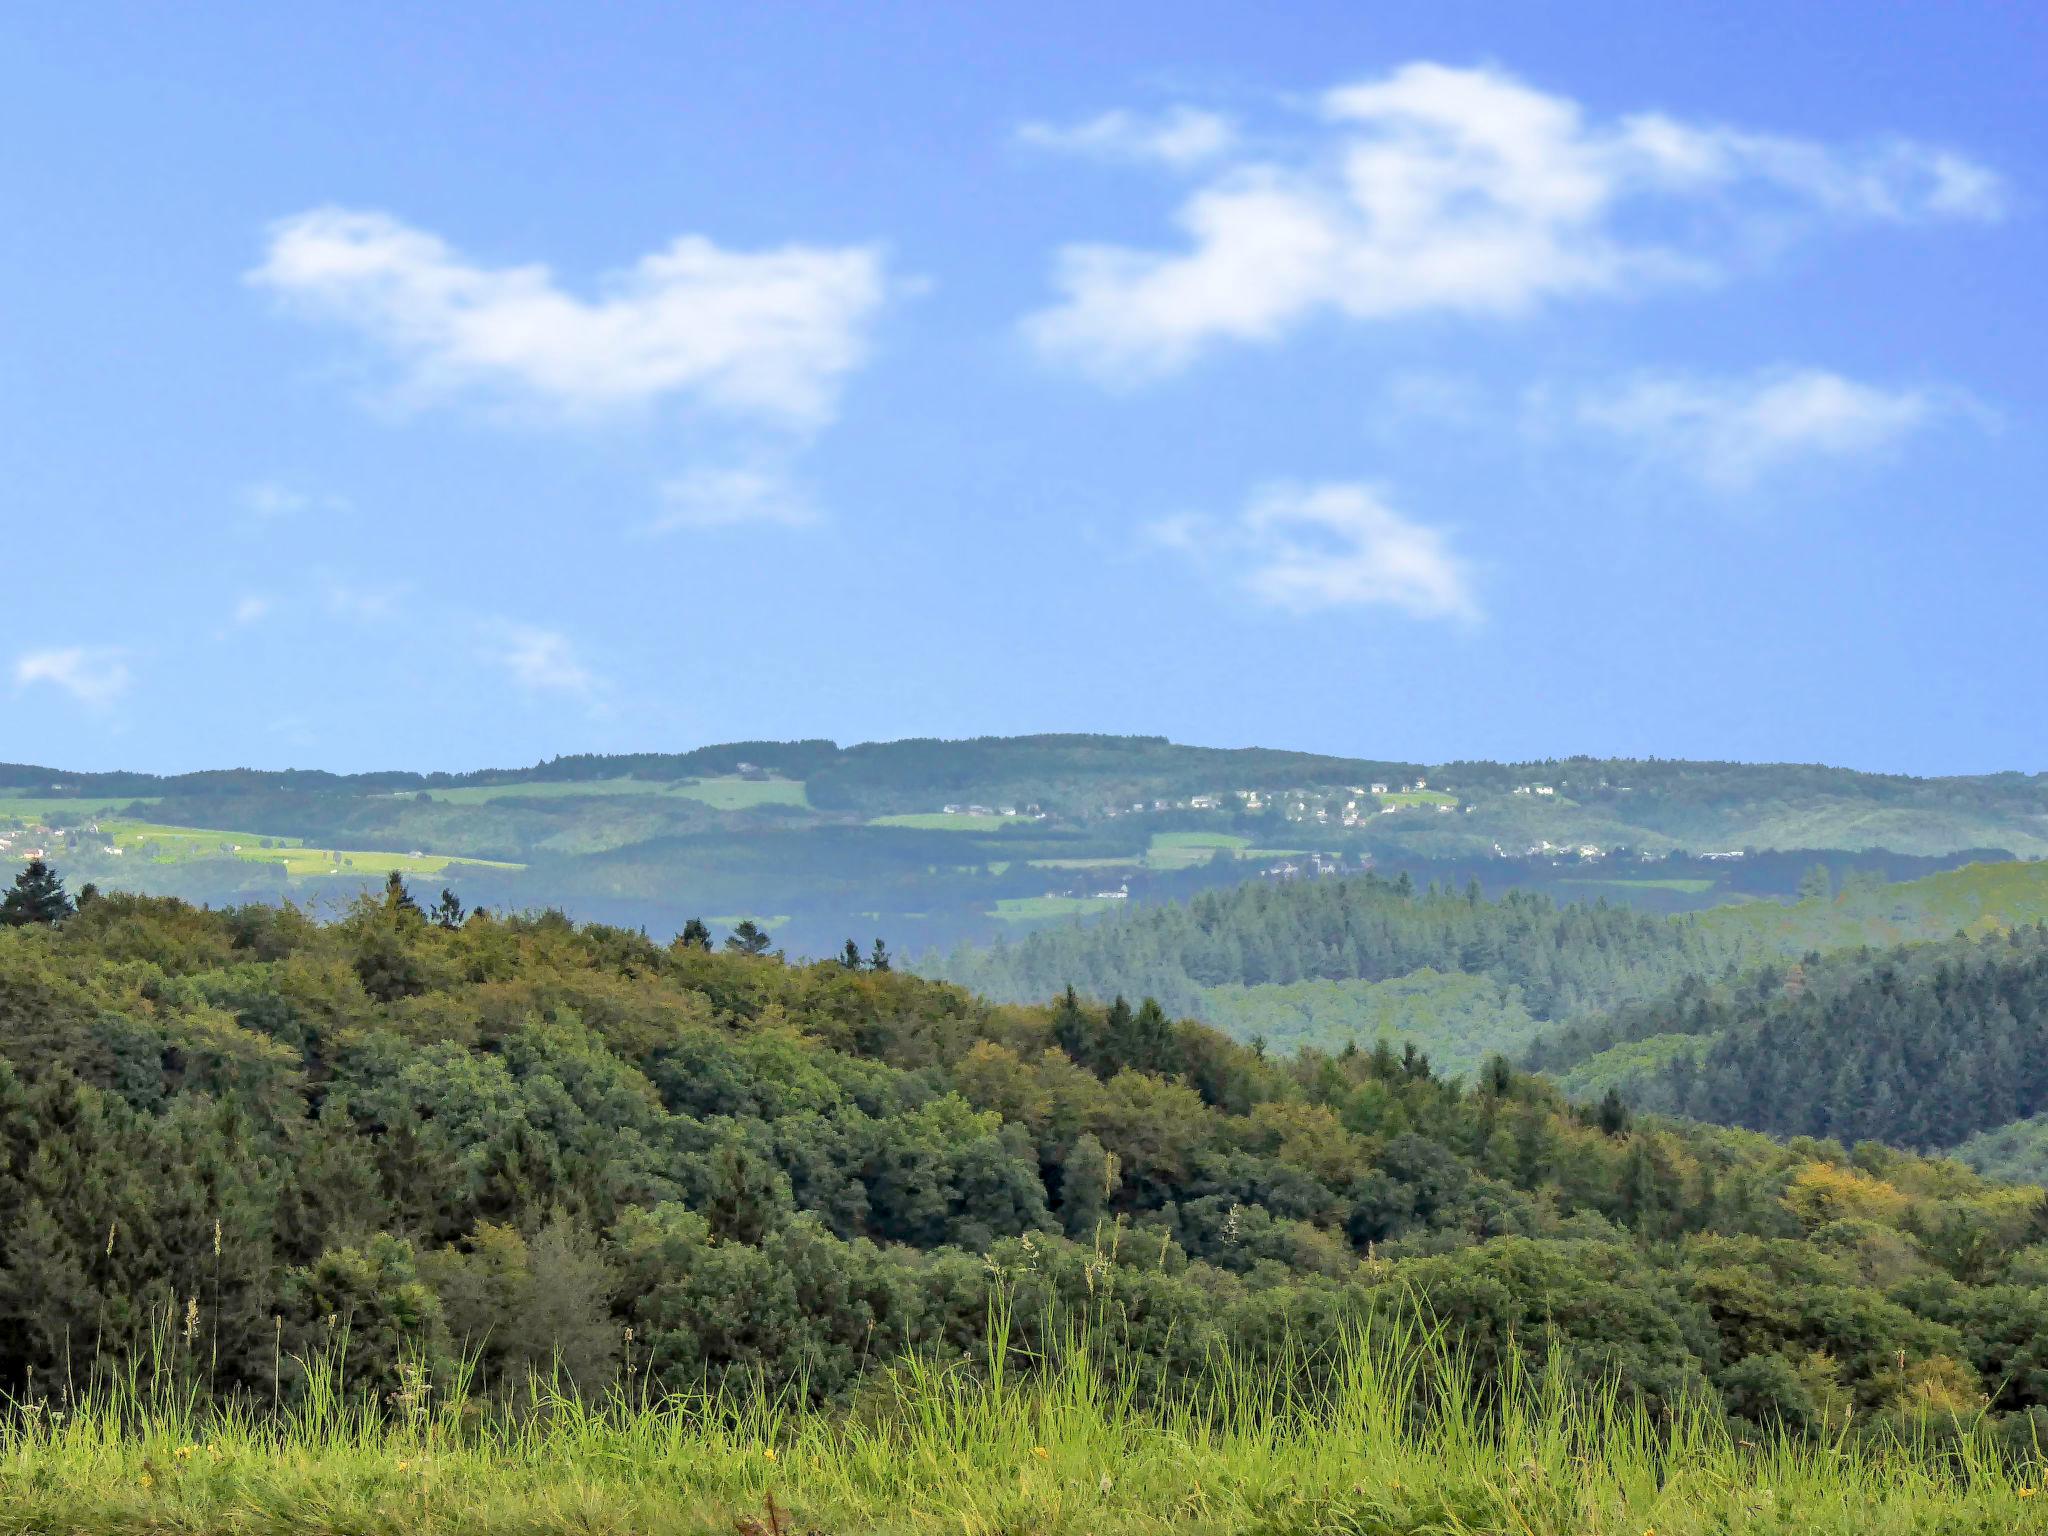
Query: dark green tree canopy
point(36, 897)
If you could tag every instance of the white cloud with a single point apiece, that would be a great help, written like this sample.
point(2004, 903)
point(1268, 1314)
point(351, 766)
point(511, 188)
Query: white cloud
point(252, 609)
point(766, 333)
point(94, 675)
point(269, 498)
point(1180, 137)
point(539, 660)
point(360, 604)
point(727, 498)
point(1437, 190)
point(1339, 545)
point(1732, 432)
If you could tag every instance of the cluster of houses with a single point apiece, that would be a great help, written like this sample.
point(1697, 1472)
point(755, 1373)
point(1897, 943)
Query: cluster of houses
point(1542, 790)
point(1032, 811)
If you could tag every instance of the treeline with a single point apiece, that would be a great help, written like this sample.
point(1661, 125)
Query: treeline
point(1563, 959)
point(245, 1139)
point(1921, 1046)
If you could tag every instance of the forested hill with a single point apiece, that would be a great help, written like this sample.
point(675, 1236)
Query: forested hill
point(1921, 1046)
point(1563, 959)
point(936, 842)
point(236, 1137)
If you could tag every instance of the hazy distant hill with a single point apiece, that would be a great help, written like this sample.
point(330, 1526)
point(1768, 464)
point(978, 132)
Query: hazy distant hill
point(932, 842)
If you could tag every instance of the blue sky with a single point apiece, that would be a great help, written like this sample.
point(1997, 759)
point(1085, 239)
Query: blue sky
point(445, 387)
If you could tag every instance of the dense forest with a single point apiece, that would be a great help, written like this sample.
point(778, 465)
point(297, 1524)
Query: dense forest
point(243, 1137)
point(1921, 1046)
point(1560, 959)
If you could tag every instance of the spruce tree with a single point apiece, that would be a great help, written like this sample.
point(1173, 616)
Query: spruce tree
point(697, 934)
point(36, 898)
point(748, 938)
point(447, 912)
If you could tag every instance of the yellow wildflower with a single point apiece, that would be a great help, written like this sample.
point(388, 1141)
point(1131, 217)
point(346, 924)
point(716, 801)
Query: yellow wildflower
point(1041, 1453)
point(769, 1453)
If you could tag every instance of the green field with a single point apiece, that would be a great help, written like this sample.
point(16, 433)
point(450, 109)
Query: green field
point(737, 794)
point(41, 807)
point(1382, 1437)
point(939, 821)
point(1690, 887)
point(1184, 850)
point(1132, 862)
point(1417, 797)
point(1031, 909)
point(730, 793)
point(178, 845)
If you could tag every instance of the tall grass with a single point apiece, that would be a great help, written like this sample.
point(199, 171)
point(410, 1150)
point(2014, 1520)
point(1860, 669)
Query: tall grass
point(1395, 1436)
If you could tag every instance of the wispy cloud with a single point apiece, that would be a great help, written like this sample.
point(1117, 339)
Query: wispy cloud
point(1438, 190)
point(94, 675)
point(252, 609)
point(732, 498)
point(1339, 545)
point(362, 604)
point(767, 334)
point(1179, 137)
point(1730, 433)
point(271, 498)
point(539, 660)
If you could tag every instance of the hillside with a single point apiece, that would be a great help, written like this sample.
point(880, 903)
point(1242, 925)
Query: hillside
point(572, 1147)
point(933, 842)
point(1923, 1045)
point(1327, 962)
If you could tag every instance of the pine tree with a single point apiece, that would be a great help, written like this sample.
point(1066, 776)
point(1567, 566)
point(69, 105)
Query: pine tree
point(878, 957)
point(37, 897)
point(1070, 1031)
point(397, 898)
point(849, 957)
point(447, 912)
point(748, 938)
point(697, 934)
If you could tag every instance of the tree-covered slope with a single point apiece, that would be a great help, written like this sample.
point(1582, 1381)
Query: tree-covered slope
point(1561, 958)
point(1922, 1045)
point(936, 842)
point(239, 1136)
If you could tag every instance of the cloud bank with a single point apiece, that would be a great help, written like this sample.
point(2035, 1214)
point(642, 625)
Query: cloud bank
point(1439, 190)
point(769, 335)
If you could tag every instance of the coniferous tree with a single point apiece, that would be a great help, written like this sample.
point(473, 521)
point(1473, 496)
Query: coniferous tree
point(849, 957)
point(397, 898)
point(1070, 1028)
point(36, 898)
point(878, 957)
point(748, 938)
point(447, 912)
point(696, 934)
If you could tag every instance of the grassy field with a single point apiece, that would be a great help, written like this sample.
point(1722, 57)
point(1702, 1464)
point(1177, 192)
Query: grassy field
point(1417, 797)
point(1381, 1441)
point(1690, 887)
point(175, 845)
point(736, 794)
point(939, 821)
point(726, 794)
point(1033, 909)
point(40, 807)
point(1183, 850)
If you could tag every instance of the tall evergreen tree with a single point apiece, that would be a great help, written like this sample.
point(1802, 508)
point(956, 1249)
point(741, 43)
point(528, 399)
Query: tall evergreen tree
point(37, 897)
point(697, 934)
point(748, 938)
point(447, 912)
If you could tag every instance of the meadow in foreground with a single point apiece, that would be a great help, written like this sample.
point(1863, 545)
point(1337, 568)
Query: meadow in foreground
point(1396, 1438)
